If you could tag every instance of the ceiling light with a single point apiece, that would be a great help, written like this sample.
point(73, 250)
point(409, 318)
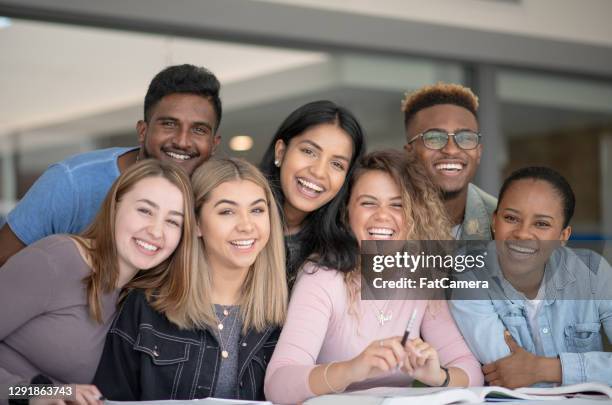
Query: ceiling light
point(241, 143)
point(5, 22)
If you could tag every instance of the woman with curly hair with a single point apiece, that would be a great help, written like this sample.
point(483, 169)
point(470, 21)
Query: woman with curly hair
point(333, 340)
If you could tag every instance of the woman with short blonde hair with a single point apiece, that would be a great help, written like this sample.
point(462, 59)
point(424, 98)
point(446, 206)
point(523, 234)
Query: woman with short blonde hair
point(264, 292)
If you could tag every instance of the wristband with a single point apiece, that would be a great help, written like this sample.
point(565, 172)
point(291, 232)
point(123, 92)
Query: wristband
point(447, 379)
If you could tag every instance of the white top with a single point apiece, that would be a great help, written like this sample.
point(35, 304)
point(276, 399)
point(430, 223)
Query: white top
point(532, 309)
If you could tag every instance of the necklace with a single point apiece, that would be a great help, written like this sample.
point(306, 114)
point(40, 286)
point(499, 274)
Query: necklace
point(381, 315)
point(226, 312)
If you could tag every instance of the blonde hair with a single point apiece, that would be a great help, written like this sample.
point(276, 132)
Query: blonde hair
point(436, 94)
point(170, 278)
point(424, 212)
point(264, 292)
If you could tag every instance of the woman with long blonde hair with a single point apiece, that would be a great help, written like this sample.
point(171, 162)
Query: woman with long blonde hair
point(58, 296)
point(333, 340)
point(219, 339)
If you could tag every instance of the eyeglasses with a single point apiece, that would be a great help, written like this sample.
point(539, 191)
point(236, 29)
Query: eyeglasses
point(437, 139)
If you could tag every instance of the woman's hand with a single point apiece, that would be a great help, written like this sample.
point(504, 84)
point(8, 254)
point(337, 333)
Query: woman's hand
point(379, 357)
point(521, 368)
point(422, 363)
point(87, 394)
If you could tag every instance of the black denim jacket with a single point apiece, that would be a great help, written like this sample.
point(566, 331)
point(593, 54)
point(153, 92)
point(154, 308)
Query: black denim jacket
point(146, 357)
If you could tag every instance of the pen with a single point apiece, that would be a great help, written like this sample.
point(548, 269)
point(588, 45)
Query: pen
point(409, 327)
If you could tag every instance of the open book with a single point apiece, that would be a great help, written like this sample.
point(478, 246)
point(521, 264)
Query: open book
point(443, 396)
point(594, 390)
point(205, 401)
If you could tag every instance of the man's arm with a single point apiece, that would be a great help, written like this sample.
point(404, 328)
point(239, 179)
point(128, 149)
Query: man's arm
point(10, 244)
point(47, 208)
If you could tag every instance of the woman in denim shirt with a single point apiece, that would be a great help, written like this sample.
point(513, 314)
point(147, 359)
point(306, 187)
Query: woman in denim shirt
point(541, 320)
point(216, 337)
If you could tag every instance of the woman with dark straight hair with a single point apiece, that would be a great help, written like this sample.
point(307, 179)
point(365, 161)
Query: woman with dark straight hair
point(307, 164)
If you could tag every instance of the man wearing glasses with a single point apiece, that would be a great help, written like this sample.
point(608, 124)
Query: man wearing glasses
point(442, 132)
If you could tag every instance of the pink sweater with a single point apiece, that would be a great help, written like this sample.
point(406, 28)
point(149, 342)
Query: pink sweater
point(319, 330)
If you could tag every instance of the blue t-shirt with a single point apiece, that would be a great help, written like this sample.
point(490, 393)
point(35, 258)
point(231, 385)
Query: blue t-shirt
point(66, 198)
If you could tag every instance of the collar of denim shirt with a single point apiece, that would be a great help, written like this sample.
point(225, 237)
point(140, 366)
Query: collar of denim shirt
point(557, 275)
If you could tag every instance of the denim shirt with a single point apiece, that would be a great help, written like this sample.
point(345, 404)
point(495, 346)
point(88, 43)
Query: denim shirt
point(569, 328)
point(479, 207)
point(146, 357)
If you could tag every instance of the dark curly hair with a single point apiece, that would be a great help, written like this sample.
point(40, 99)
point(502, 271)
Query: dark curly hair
point(439, 93)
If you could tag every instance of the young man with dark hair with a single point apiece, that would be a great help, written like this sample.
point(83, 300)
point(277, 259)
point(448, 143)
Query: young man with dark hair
point(442, 131)
point(182, 112)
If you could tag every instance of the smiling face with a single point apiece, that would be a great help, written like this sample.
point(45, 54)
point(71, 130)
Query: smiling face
point(450, 168)
point(235, 225)
point(181, 129)
point(148, 224)
point(375, 208)
point(528, 225)
point(313, 168)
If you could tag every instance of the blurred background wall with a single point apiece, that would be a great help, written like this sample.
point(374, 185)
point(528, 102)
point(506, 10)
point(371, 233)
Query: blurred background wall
point(73, 75)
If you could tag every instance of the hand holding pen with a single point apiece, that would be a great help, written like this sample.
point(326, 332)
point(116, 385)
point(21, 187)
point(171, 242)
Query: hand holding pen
point(421, 361)
point(409, 327)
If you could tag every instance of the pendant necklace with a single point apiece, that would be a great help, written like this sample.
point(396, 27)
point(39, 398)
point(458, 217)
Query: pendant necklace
point(226, 312)
point(381, 315)
point(224, 352)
